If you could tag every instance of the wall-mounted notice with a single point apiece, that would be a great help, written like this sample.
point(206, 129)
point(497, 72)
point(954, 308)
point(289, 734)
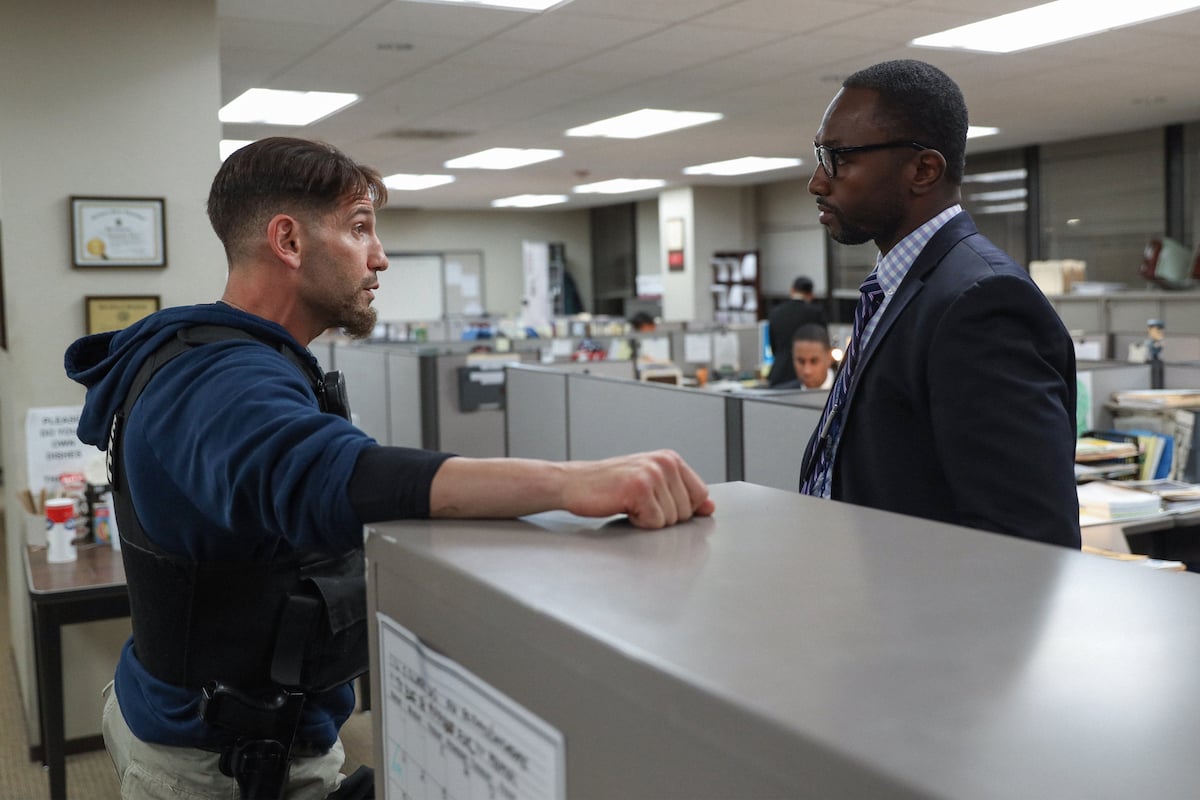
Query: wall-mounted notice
point(450, 736)
point(51, 448)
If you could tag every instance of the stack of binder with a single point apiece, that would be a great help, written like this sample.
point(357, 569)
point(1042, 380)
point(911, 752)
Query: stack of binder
point(1107, 454)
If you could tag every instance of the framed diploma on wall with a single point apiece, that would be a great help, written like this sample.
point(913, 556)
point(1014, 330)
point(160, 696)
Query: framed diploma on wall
point(118, 232)
point(112, 313)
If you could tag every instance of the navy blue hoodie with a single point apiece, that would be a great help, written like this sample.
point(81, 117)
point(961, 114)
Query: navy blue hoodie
point(228, 457)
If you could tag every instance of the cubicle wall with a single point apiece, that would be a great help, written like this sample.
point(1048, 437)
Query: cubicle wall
point(774, 435)
point(1121, 317)
point(1181, 376)
point(1105, 377)
point(410, 424)
point(408, 395)
point(753, 437)
point(536, 414)
point(366, 374)
point(608, 417)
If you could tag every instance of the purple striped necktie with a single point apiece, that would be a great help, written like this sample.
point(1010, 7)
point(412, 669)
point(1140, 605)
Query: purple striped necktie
point(831, 418)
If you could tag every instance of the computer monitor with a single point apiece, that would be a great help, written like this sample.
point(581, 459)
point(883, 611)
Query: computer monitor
point(766, 355)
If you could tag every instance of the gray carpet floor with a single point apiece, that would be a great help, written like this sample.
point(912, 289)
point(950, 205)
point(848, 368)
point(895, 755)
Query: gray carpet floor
point(90, 776)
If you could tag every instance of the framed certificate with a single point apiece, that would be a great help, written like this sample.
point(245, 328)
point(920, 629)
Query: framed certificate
point(118, 232)
point(111, 313)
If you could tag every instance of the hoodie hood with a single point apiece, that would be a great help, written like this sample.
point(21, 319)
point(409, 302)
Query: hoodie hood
point(106, 363)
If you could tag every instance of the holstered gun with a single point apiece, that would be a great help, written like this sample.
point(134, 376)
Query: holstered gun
point(263, 728)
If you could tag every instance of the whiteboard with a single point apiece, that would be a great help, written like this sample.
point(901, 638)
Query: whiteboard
point(411, 288)
point(429, 286)
point(463, 282)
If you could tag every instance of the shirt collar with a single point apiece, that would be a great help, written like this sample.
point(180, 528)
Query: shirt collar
point(892, 268)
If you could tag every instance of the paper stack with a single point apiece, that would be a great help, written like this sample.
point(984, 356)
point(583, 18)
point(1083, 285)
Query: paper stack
point(1105, 500)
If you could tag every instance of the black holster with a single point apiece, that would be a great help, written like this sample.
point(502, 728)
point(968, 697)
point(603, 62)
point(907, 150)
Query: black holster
point(263, 730)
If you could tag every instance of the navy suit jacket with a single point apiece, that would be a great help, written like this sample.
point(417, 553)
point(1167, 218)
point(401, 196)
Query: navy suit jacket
point(962, 408)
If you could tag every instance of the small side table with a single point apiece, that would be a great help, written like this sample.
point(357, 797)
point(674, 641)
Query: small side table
point(86, 590)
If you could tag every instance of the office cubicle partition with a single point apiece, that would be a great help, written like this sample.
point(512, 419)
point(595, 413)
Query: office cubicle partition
point(740, 436)
point(365, 369)
point(1181, 376)
point(1121, 318)
point(607, 417)
point(408, 395)
point(1099, 379)
point(535, 416)
point(775, 431)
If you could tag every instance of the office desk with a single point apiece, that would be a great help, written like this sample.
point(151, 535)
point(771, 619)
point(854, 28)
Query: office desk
point(89, 589)
point(1169, 536)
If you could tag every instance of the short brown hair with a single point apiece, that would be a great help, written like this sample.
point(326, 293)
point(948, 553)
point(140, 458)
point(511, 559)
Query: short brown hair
point(284, 175)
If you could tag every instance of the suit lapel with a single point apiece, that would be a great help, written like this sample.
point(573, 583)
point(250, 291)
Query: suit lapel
point(950, 234)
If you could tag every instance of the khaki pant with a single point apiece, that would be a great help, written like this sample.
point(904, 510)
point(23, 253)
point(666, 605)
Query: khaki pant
point(158, 772)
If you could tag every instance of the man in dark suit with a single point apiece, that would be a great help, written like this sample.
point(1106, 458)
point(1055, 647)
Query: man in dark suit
point(956, 401)
point(783, 321)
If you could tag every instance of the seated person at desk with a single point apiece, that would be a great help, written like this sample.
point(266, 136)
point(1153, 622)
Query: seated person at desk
point(641, 322)
point(812, 356)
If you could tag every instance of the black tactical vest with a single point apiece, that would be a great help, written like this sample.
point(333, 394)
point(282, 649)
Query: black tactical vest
point(297, 621)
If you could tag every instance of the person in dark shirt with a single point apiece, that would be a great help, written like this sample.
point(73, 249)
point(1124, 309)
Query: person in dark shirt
point(783, 321)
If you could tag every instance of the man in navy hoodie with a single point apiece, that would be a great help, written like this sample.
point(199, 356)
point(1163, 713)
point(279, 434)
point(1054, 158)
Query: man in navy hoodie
point(235, 484)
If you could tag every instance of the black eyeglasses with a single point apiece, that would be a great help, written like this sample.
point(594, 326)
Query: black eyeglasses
point(827, 157)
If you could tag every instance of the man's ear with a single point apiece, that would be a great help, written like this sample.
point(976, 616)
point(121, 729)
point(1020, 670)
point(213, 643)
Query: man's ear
point(283, 237)
point(930, 169)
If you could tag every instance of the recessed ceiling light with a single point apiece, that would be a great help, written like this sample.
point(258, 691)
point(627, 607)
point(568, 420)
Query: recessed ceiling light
point(413, 183)
point(644, 122)
point(502, 158)
point(975, 131)
point(515, 5)
point(1053, 22)
point(742, 166)
point(619, 186)
point(529, 200)
point(277, 107)
point(230, 146)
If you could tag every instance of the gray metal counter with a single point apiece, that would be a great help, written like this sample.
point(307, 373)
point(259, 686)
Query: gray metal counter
point(791, 647)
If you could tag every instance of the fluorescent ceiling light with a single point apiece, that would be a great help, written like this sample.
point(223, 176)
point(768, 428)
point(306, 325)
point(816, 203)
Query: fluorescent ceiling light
point(619, 186)
point(529, 200)
point(414, 183)
point(502, 158)
point(230, 146)
point(1052, 22)
point(515, 5)
point(742, 166)
point(999, 176)
point(645, 122)
point(276, 107)
point(975, 131)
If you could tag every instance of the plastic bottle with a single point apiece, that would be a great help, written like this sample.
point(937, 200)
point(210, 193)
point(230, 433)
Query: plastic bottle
point(114, 535)
point(60, 530)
